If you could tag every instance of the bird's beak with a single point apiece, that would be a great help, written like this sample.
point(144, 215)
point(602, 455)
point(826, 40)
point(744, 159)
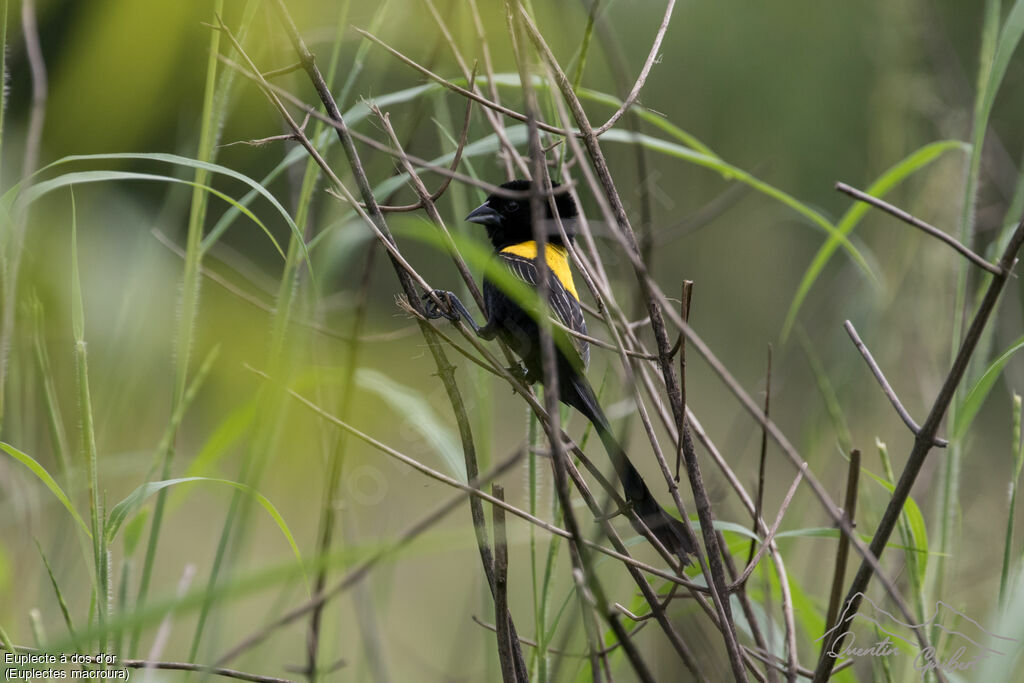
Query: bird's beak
point(484, 215)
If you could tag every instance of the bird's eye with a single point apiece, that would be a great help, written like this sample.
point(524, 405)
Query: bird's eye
point(510, 207)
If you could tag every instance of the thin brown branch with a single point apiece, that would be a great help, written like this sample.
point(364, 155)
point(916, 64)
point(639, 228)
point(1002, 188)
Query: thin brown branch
point(842, 551)
point(479, 99)
point(578, 552)
point(509, 155)
point(456, 159)
point(501, 611)
point(446, 371)
point(373, 216)
point(924, 440)
point(629, 250)
point(201, 668)
point(652, 57)
point(468, 488)
point(378, 146)
point(920, 225)
point(426, 201)
point(770, 536)
point(759, 506)
point(657, 607)
point(680, 348)
point(554, 651)
point(884, 383)
point(179, 666)
point(291, 68)
point(508, 150)
point(495, 106)
point(717, 574)
point(618, 217)
point(362, 570)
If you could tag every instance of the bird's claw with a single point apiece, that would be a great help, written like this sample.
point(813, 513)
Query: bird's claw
point(433, 311)
point(518, 371)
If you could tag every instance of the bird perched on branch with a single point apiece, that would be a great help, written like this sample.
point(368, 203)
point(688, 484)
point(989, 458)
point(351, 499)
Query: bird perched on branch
point(509, 281)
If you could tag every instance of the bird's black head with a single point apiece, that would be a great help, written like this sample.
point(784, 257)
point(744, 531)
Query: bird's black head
point(509, 221)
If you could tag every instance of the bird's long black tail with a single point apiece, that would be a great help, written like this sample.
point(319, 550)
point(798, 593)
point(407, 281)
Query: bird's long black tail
point(669, 531)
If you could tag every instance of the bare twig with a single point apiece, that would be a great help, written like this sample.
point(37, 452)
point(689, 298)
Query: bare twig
point(717, 574)
point(764, 449)
point(274, 73)
point(652, 56)
point(842, 551)
point(919, 224)
point(447, 374)
point(426, 201)
point(680, 348)
point(770, 536)
point(504, 618)
point(284, 95)
point(180, 666)
point(495, 106)
point(373, 216)
point(884, 383)
point(533, 643)
point(577, 550)
point(924, 440)
point(436, 194)
point(361, 571)
point(200, 668)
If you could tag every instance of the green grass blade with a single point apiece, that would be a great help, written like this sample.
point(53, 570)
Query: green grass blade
point(979, 391)
point(82, 177)
point(55, 420)
point(947, 502)
point(886, 182)
point(120, 512)
point(88, 433)
point(415, 408)
point(1018, 461)
point(3, 68)
point(1009, 39)
point(730, 172)
point(42, 475)
point(229, 432)
point(652, 118)
point(65, 613)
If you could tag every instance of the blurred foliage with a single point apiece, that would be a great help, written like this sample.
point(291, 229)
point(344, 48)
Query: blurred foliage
point(800, 94)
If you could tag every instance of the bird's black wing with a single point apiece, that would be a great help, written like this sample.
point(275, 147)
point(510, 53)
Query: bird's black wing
point(563, 304)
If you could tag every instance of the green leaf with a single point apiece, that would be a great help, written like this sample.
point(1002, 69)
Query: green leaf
point(77, 307)
point(887, 181)
point(136, 498)
point(44, 476)
point(1009, 38)
point(67, 179)
point(731, 172)
point(58, 593)
point(979, 392)
point(912, 515)
point(230, 430)
point(133, 531)
point(196, 164)
point(420, 416)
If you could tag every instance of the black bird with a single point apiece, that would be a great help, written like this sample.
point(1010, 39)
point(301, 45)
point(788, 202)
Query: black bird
point(510, 229)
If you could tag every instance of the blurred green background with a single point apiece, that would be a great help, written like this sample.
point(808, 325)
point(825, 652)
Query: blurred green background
point(800, 94)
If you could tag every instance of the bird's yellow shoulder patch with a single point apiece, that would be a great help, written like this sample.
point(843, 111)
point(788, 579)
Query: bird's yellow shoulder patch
point(557, 258)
